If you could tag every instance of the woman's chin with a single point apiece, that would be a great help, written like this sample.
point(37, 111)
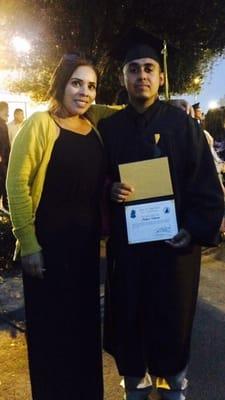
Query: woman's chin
point(77, 111)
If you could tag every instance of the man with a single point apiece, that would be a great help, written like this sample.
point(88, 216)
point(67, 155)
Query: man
point(151, 288)
point(4, 150)
point(15, 125)
point(198, 112)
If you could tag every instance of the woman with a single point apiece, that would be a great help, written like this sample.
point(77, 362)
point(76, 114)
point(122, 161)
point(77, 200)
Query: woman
point(54, 183)
point(215, 125)
point(215, 133)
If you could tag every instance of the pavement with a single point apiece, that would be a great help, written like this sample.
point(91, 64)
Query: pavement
point(207, 366)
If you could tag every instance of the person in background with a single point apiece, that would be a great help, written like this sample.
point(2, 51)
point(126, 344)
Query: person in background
point(152, 287)
point(219, 164)
point(215, 125)
point(4, 150)
point(55, 180)
point(215, 133)
point(182, 104)
point(16, 124)
point(198, 115)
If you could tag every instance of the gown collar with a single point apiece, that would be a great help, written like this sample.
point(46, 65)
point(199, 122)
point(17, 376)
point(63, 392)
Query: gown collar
point(147, 115)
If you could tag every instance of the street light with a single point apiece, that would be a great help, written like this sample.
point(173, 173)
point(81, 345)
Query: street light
point(196, 80)
point(22, 48)
point(20, 44)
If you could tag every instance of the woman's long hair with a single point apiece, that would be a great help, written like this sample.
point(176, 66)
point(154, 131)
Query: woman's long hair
point(67, 65)
point(214, 123)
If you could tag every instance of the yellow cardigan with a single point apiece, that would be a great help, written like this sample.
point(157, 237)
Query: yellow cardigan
point(28, 161)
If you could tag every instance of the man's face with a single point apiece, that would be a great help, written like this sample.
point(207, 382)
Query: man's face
point(198, 113)
point(142, 79)
point(4, 113)
point(19, 117)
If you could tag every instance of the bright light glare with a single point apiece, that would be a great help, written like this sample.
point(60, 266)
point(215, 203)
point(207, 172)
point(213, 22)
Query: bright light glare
point(213, 104)
point(196, 81)
point(21, 45)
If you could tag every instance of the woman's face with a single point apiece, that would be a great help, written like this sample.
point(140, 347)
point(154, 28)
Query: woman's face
point(80, 91)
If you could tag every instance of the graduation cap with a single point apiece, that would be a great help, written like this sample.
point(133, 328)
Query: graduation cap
point(135, 44)
point(138, 43)
point(196, 106)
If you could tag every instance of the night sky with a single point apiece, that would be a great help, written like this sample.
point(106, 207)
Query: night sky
point(213, 87)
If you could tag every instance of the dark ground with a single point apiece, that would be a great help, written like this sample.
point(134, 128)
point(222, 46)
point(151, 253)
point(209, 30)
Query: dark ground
point(206, 373)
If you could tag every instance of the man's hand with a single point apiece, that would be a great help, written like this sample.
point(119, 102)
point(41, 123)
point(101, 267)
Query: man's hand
point(33, 265)
point(120, 191)
point(181, 240)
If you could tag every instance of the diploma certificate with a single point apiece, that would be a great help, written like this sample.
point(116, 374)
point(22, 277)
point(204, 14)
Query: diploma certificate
point(152, 221)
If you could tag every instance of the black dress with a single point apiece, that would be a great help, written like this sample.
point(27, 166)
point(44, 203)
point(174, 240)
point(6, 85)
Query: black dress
point(62, 310)
point(152, 289)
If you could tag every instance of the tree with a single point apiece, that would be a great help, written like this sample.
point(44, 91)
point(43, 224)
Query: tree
point(56, 26)
point(222, 101)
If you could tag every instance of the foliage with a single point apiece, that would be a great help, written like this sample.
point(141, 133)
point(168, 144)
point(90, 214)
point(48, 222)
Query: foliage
point(55, 27)
point(35, 82)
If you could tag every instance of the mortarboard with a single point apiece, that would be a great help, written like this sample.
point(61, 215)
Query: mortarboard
point(137, 43)
point(196, 106)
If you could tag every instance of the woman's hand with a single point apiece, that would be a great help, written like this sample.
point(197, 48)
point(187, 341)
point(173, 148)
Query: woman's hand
point(181, 240)
point(120, 191)
point(33, 265)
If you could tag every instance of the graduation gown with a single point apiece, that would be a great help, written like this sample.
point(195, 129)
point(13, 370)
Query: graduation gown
point(151, 288)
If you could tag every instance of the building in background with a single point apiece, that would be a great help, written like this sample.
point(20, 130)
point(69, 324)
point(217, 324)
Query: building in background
point(20, 101)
